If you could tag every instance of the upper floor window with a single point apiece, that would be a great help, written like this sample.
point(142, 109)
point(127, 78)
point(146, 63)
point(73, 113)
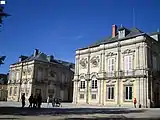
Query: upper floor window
point(111, 66)
point(17, 76)
point(39, 76)
point(128, 64)
point(121, 34)
point(154, 62)
point(94, 83)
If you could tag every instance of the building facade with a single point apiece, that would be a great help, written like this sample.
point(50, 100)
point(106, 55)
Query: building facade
point(116, 70)
point(42, 74)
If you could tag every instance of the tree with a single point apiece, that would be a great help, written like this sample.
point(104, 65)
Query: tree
point(2, 58)
point(2, 14)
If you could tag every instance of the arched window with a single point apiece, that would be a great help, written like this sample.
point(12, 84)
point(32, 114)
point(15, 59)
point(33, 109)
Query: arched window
point(82, 83)
point(94, 83)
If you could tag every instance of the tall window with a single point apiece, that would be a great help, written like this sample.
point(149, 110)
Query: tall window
point(94, 83)
point(17, 76)
point(128, 64)
point(39, 77)
point(128, 92)
point(111, 66)
point(82, 84)
point(15, 91)
point(154, 63)
point(10, 91)
point(110, 92)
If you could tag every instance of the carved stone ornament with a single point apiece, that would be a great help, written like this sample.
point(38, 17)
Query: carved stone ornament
point(95, 61)
point(127, 51)
point(52, 74)
point(83, 62)
point(111, 54)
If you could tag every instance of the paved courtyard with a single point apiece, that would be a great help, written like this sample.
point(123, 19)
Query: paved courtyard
point(68, 111)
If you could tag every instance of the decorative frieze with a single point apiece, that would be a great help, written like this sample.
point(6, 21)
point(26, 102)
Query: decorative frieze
point(83, 63)
point(128, 51)
point(110, 54)
point(95, 61)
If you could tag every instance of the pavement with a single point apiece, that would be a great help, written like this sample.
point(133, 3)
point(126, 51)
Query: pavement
point(69, 111)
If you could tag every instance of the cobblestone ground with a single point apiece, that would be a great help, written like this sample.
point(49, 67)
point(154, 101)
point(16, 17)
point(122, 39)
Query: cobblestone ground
point(68, 111)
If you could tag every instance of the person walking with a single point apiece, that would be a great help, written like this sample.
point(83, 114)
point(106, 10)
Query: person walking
point(48, 100)
point(23, 100)
point(30, 101)
point(39, 100)
point(134, 102)
point(34, 101)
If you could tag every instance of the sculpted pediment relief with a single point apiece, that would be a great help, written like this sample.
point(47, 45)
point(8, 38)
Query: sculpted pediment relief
point(83, 62)
point(111, 54)
point(95, 61)
point(127, 51)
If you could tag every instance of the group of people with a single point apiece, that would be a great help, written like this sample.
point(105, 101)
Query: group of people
point(56, 102)
point(34, 101)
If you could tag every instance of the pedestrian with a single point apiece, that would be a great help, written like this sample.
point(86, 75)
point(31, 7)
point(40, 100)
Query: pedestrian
point(53, 102)
point(23, 100)
point(39, 100)
point(135, 102)
point(30, 101)
point(48, 100)
point(34, 101)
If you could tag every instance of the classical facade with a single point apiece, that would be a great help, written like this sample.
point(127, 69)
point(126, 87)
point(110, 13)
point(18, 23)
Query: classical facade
point(116, 70)
point(42, 74)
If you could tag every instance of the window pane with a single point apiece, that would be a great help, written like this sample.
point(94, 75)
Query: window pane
point(93, 96)
point(83, 84)
point(112, 96)
point(81, 96)
point(95, 83)
point(92, 83)
point(109, 93)
point(126, 93)
point(130, 93)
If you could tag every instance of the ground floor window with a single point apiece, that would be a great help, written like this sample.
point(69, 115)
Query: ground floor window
point(94, 96)
point(15, 91)
point(110, 92)
point(10, 91)
point(81, 96)
point(128, 92)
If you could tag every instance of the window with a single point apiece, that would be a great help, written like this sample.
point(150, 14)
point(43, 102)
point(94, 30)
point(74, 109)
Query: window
point(154, 63)
point(94, 84)
point(128, 92)
point(93, 96)
point(111, 66)
point(82, 84)
point(128, 64)
point(110, 92)
point(81, 96)
point(17, 76)
point(15, 91)
point(39, 74)
point(121, 34)
point(10, 91)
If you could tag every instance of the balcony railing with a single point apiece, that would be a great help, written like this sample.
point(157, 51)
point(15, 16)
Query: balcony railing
point(116, 74)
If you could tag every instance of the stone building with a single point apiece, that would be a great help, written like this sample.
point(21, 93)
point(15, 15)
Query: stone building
point(3, 87)
point(116, 70)
point(40, 73)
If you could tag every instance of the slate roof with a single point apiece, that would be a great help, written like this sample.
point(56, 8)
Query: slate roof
point(42, 57)
point(130, 33)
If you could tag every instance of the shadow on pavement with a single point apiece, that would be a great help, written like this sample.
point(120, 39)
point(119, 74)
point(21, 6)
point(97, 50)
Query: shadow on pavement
point(64, 111)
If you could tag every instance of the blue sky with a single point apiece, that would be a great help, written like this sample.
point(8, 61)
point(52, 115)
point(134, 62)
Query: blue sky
point(59, 27)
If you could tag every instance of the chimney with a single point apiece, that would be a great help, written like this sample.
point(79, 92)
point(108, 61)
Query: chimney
point(36, 51)
point(114, 30)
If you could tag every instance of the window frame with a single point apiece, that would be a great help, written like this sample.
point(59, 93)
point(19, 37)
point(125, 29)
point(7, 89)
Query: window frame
point(109, 96)
point(15, 91)
point(80, 97)
point(94, 83)
point(130, 93)
point(128, 64)
point(111, 65)
point(82, 84)
point(10, 91)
